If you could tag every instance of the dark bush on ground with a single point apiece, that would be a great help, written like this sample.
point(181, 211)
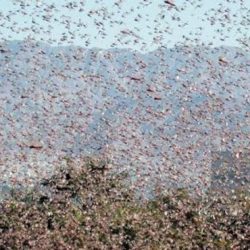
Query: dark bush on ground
point(82, 207)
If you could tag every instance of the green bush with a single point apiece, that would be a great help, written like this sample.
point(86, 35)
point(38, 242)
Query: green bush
point(83, 207)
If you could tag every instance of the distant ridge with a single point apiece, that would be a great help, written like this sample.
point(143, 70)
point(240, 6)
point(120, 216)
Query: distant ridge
point(158, 115)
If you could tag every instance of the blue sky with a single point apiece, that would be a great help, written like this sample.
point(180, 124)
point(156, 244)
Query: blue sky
point(218, 22)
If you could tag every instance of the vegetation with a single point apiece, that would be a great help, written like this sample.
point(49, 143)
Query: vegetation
point(82, 207)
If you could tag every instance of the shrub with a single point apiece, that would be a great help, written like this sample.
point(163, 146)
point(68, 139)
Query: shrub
point(83, 207)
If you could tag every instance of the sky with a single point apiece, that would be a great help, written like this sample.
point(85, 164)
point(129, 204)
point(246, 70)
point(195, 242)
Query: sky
point(136, 24)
